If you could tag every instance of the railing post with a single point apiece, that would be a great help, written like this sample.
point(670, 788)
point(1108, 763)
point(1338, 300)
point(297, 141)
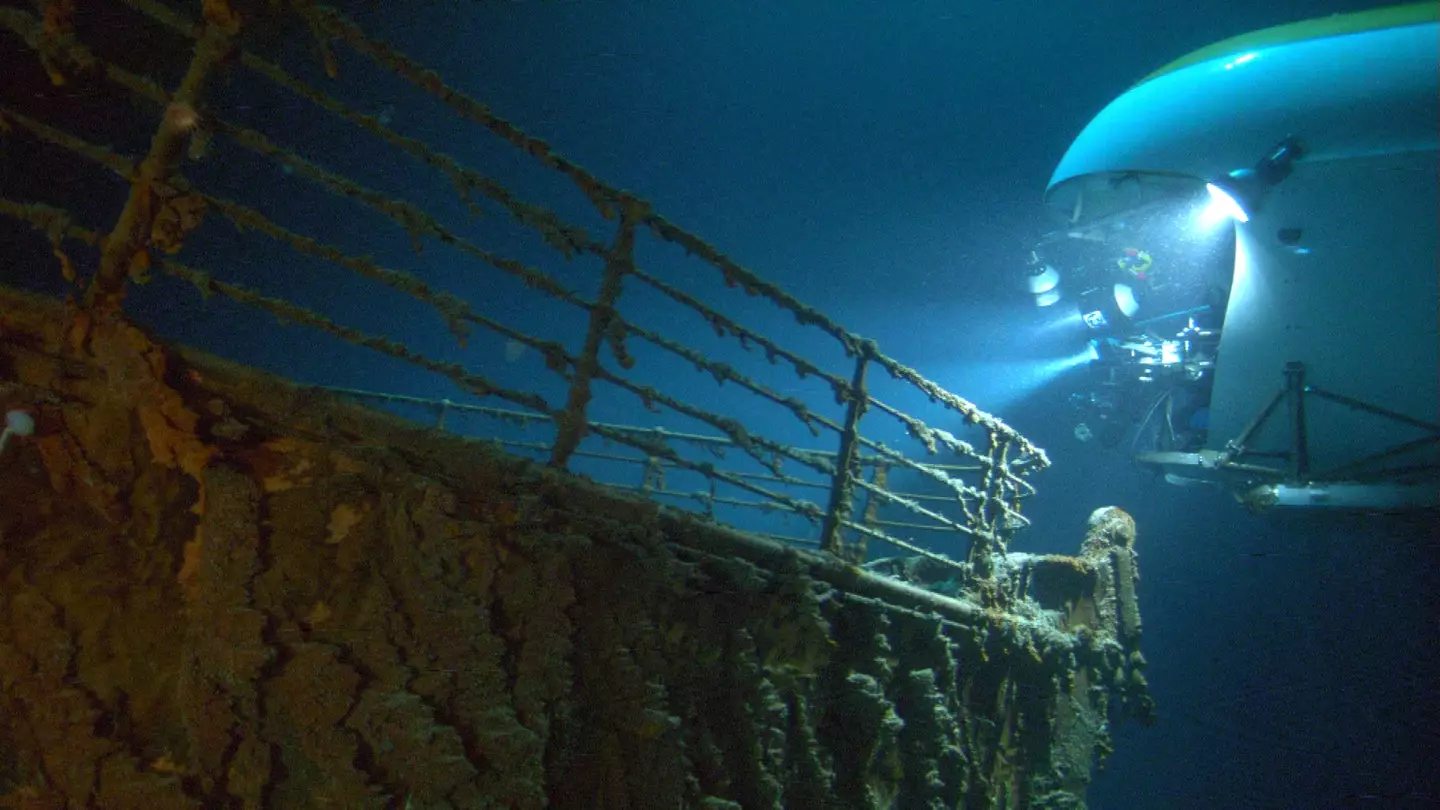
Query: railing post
point(880, 480)
point(995, 532)
point(572, 423)
point(131, 233)
point(842, 487)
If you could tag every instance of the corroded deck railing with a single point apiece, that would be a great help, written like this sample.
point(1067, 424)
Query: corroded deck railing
point(982, 490)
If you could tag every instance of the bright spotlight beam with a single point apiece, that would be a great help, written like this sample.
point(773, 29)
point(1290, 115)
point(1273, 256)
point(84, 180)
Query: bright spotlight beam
point(1223, 205)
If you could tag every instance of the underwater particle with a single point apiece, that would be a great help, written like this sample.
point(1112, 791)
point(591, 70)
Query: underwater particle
point(514, 350)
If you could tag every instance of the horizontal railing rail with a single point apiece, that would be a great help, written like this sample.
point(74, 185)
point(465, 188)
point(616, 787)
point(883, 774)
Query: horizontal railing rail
point(975, 482)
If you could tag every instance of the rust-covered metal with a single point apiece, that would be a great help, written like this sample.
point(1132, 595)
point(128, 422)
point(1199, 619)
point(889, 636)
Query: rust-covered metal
point(983, 500)
point(225, 588)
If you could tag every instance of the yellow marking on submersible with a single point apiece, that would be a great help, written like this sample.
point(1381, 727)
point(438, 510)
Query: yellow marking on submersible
point(1332, 26)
